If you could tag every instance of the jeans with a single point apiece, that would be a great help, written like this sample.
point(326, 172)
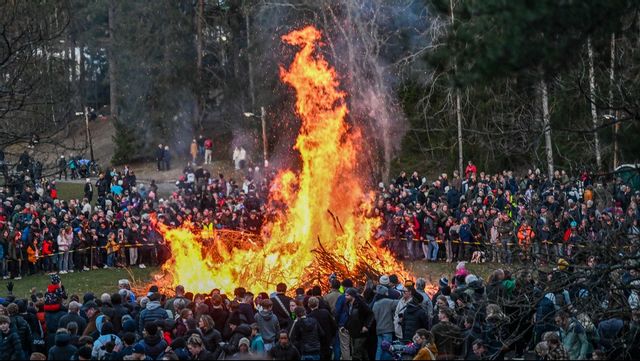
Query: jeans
point(506, 251)
point(410, 252)
point(433, 248)
point(449, 248)
point(310, 357)
point(207, 156)
point(111, 259)
point(63, 261)
point(336, 348)
point(133, 256)
point(380, 354)
point(345, 344)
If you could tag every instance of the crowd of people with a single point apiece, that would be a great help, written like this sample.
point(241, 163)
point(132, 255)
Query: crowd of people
point(583, 231)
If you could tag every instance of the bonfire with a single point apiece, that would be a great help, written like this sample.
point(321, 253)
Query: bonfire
point(324, 230)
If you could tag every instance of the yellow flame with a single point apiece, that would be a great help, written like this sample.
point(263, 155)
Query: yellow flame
point(325, 200)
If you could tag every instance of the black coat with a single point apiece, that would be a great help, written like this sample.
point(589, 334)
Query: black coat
point(327, 323)
point(212, 339)
point(10, 347)
point(415, 317)
point(153, 345)
point(73, 317)
point(241, 331)
point(24, 331)
point(306, 334)
point(284, 353)
point(283, 314)
point(360, 316)
point(63, 350)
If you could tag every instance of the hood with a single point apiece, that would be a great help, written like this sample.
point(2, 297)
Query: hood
point(244, 330)
point(63, 339)
point(129, 326)
point(266, 315)
point(152, 340)
point(99, 322)
point(152, 305)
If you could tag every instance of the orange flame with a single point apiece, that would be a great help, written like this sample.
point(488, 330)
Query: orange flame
point(326, 202)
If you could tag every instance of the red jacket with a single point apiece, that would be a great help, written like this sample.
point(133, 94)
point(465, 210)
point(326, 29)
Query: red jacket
point(471, 168)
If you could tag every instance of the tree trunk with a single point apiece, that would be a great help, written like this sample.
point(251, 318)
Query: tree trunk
point(594, 111)
point(458, 111)
point(546, 124)
point(616, 126)
point(200, 53)
point(113, 88)
point(459, 119)
point(252, 93)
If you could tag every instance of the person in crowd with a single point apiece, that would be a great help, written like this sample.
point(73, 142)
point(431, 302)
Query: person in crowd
point(284, 350)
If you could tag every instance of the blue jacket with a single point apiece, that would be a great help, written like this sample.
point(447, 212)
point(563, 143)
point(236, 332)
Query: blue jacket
point(342, 311)
point(153, 312)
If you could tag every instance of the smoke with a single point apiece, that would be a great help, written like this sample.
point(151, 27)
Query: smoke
point(368, 42)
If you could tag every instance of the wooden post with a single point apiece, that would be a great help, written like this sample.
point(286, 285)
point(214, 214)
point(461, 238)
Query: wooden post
point(263, 120)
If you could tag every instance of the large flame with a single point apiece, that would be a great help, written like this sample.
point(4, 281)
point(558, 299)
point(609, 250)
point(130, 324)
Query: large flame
point(324, 229)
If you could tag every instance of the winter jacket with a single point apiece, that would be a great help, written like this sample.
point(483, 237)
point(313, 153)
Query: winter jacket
point(65, 240)
point(327, 323)
point(280, 312)
point(24, 331)
point(415, 317)
point(306, 335)
point(383, 311)
point(284, 353)
point(10, 347)
point(494, 334)
point(448, 339)
point(211, 339)
point(154, 345)
point(241, 331)
point(575, 341)
point(153, 312)
point(359, 316)
point(73, 317)
point(268, 325)
point(63, 350)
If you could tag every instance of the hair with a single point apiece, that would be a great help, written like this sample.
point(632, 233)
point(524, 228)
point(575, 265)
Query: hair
point(421, 283)
point(281, 288)
point(300, 311)
point(84, 340)
point(479, 343)
point(184, 313)
point(5, 319)
point(422, 332)
point(12, 309)
point(266, 304)
point(195, 340)
point(72, 327)
point(129, 338)
point(74, 306)
point(62, 330)
point(494, 310)
point(313, 302)
point(208, 321)
point(37, 356)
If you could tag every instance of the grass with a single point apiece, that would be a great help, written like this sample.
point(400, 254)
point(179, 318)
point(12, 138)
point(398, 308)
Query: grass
point(433, 271)
point(96, 281)
point(68, 191)
point(101, 281)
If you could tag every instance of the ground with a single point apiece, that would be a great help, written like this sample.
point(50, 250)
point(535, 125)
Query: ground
point(96, 281)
